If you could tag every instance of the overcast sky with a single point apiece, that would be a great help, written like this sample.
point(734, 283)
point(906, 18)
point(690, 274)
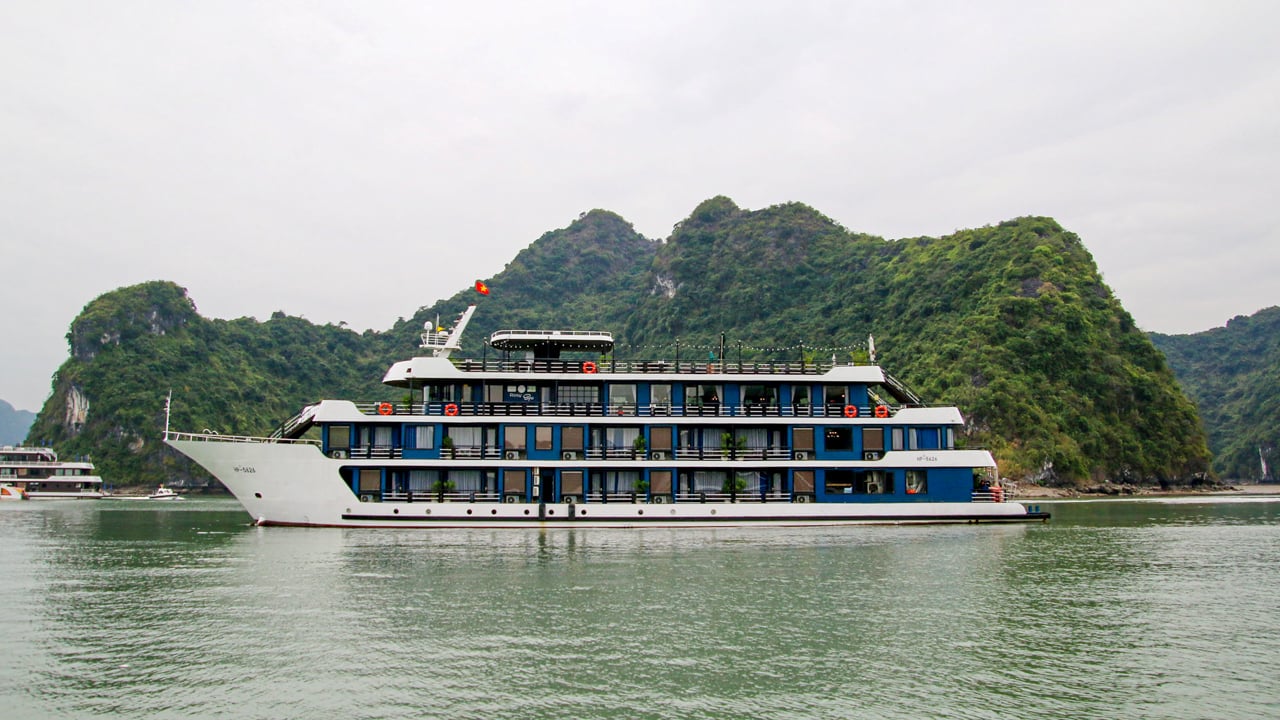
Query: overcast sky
point(356, 161)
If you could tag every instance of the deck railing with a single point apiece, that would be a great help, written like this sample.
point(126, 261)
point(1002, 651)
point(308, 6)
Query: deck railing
point(546, 409)
point(647, 367)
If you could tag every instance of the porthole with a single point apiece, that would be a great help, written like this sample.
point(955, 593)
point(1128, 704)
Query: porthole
point(493, 511)
point(526, 512)
point(395, 511)
point(640, 512)
point(259, 496)
point(468, 511)
point(551, 512)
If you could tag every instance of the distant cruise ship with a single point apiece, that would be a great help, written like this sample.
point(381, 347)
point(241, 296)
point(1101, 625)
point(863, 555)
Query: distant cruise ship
point(35, 473)
point(555, 431)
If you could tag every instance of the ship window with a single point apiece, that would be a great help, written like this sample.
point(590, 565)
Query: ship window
point(438, 393)
point(515, 437)
point(917, 482)
point(513, 480)
point(467, 481)
point(660, 437)
point(578, 394)
point(423, 437)
point(800, 395)
point(802, 438)
point(571, 482)
point(615, 481)
point(873, 482)
point(571, 437)
point(494, 393)
point(897, 439)
point(872, 439)
point(913, 442)
point(703, 396)
point(839, 482)
point(660, 395)
point(622, 395)
point(759, 396)
point(542, 437)
point(839, 438)
point(422, 480)
point(660, 482)
point(949, 438)
point(340, 437)
point(709, 481)
point(370, 480)
point(835, 395)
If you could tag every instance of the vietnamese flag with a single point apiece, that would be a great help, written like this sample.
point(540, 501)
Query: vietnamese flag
point(482, 288)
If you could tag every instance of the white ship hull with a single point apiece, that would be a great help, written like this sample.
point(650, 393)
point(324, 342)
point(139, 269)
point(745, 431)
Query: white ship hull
point(294, 484)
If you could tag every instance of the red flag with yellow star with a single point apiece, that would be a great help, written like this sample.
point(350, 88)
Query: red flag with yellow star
point(482, 288)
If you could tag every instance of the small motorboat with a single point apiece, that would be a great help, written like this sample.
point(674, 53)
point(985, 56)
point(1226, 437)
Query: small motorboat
point(9, 492)
point(164, 493)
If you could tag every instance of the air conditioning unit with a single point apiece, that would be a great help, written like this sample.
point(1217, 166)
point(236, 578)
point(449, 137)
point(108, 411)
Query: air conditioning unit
point(871, 456)
point(658, 454)
point(802, 454)
point(513, 455)
point(569, 455)
point(366, 498)
point(338, 454)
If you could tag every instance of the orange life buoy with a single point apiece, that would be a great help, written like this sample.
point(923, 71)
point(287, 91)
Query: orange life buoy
point(450, 409)
point(851, 411)
point(882, 411)
point(588, 367)
point(386, 409)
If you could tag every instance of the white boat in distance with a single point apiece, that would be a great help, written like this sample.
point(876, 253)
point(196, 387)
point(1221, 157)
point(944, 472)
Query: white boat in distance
point(164, 493)
point(540, 436)
point(37, 474)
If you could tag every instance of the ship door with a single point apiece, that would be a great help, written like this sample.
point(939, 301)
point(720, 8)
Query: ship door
point(546, 485)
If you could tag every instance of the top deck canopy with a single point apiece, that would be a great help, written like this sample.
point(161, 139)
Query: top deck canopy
point(550, 343)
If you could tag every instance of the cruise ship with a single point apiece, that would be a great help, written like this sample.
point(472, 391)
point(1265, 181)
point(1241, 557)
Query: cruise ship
point(36, 473)
point(548, 428)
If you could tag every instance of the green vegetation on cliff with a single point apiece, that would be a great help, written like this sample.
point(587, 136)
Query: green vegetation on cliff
point(1012, 323)
point(1233, 374)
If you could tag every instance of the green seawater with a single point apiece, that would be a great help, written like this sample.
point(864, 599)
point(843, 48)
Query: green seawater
point(1114, 609)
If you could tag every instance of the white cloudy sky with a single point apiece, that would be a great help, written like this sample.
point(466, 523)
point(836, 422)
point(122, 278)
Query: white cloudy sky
point(353, 161)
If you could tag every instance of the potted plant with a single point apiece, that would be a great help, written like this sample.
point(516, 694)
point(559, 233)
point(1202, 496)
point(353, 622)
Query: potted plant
point(731, 446)
point(638, 447)
point(446, 447)
point(441, 487)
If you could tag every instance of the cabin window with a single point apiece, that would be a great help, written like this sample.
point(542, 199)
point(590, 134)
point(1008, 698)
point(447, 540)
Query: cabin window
point(571, 482)
point(709, 481)
point(802, 438)
point(660, 482)
point(437, 393)
point(706, 397)
point(495, 393)
point(515, 437)
point(913, 439)
point(578, 394)
point(339, 437)
point(542, 437)
point(839, 482)
point(467, 481)
point(622, 396)
point(949, 438)
point(896, 439)
point(839, 438)
point(615, 481)
point(422, 480)
point(917, 482)
point(835, 396)
point(370, 480)
point(660, 397)
point(422, 437)
point(513, 480)
point(759, 396)
point(571, 437)
point(660, 438)
point(616, 438)
point(800, 395)
point(873, 482)
point(802, 481)
point(873, 439)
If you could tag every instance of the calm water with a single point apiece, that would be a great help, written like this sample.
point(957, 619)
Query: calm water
point(1115, 609)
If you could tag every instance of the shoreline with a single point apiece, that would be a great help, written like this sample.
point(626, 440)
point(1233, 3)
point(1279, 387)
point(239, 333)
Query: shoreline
point(1039, 492)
